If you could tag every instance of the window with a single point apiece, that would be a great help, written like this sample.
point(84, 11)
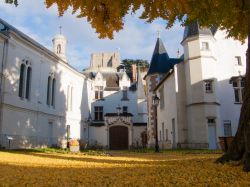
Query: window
point(21, 80)
point(28, 83)
point(125, 93)
point(25, 80)
point(48, 90)
point(162, 98)
point(238, 86)
point(53, 92)
point(238, 61)
point(124, 109)
point(208, 86)
point(210, 120)
point(205, 46)
point(59, 48)
point(99, 92)
point(51, 89)
point(98, 113)
point(227, 128)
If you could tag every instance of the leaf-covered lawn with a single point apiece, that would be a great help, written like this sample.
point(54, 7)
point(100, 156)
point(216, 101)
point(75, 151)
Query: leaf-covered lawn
point(122, 168)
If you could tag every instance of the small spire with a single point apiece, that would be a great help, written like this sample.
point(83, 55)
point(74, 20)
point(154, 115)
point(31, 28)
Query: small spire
point(60, 29)
point(158, 34)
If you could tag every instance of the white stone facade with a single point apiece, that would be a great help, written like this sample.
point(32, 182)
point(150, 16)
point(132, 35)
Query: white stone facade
point(45, 101)
point(107, 91)
point(199, 93)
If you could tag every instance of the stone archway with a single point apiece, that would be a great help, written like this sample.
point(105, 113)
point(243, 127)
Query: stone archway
point(118, 137)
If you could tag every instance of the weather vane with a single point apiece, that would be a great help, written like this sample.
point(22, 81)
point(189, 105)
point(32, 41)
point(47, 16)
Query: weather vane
point(158, 34)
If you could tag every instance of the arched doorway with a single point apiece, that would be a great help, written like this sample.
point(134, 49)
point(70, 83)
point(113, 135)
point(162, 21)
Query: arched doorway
point(118, 138)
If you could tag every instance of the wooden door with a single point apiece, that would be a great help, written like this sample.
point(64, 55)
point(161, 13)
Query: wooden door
point(118, 138)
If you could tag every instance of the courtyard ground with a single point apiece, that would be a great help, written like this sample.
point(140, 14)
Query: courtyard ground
point(171, 168)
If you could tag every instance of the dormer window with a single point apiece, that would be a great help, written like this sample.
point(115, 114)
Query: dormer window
point(205, 46)
point(98, 92)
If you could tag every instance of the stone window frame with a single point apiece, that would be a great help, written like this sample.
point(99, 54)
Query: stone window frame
point(25, 80)
point(209, 86)
point(238, 86)
point(51, 90)
point(98, 113)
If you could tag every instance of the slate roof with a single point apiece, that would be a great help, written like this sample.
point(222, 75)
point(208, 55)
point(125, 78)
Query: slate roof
point(5, 28)
point(112, 80)
point(194, 29)
point(160, 62)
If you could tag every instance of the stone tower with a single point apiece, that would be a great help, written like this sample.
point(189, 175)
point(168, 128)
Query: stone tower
point(158, 65)
point(59, 46)
point(203, 104)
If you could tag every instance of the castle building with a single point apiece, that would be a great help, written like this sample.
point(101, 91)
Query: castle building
point(201, 94)
point(45, 101)
point(119, 108)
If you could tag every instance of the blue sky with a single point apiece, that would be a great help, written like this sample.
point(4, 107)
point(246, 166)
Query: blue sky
point(135, 41)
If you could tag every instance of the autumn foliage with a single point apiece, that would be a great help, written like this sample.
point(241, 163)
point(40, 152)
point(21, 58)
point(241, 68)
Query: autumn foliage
point(121, 169)
point(107, 16)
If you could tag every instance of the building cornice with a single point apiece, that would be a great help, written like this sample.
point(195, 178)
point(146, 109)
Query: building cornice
point(196, 37)
point(197, 57)
point(203, 103)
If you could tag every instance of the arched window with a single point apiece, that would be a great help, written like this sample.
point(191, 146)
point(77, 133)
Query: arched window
point(21, 80)
point(59, 48)
point(28, 83)
point(53, 92)
point(48, 90)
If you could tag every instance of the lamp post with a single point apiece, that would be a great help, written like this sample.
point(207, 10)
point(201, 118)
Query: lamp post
point(89, 120)
point(155, 102)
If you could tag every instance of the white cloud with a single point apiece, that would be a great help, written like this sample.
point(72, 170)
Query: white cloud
point(136, 40)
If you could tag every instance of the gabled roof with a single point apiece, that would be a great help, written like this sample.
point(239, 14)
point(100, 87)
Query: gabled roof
point(194, 29)
point(160, 62)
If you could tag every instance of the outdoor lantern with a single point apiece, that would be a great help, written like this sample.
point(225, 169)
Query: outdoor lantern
point(118, 110)
point(156, 100)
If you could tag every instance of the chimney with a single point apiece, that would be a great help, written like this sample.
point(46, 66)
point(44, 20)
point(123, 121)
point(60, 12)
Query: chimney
point(134, 72)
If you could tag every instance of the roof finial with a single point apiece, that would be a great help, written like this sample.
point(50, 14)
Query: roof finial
point(60, 28)
point(158, 34)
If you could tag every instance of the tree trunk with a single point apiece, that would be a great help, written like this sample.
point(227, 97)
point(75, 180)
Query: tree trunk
point(240, 146)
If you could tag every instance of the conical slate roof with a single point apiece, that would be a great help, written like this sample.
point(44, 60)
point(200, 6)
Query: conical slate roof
point(160, 62)
point(194, 29)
